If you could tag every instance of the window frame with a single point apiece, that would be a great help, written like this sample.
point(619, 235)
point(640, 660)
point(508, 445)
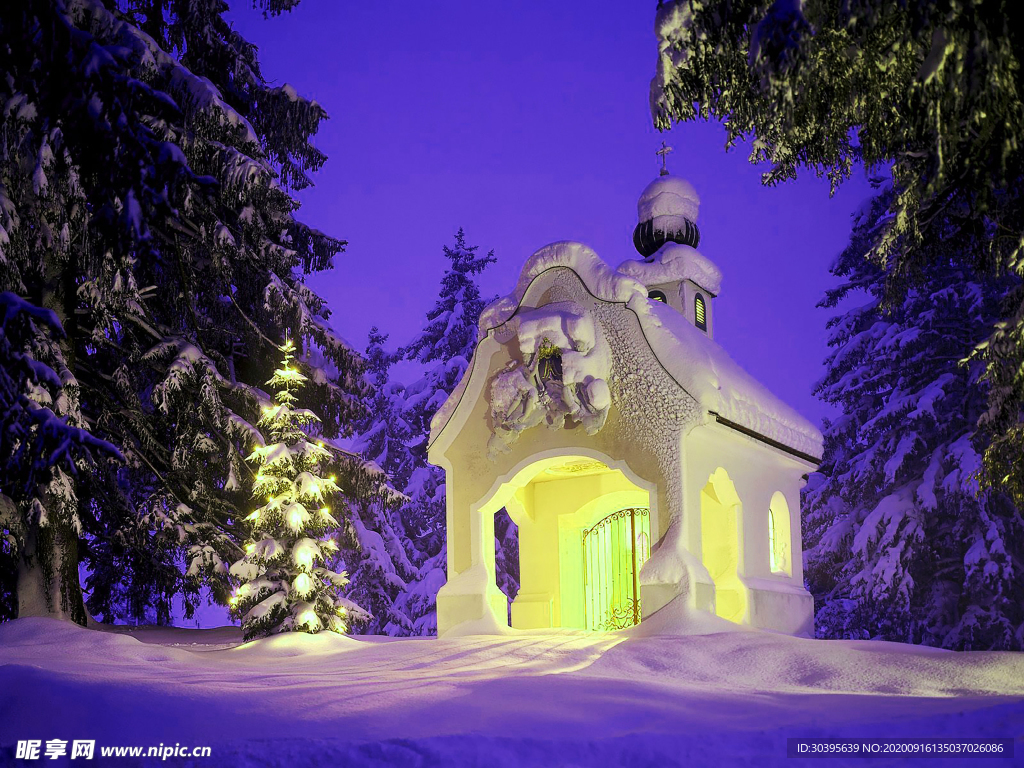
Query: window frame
point(700, 312)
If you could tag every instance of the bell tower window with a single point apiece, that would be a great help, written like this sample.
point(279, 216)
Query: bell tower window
point(700, 317)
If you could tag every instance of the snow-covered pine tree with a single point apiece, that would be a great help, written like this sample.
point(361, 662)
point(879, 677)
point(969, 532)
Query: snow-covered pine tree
point(384, 434)
point(447, 342)
point(42, 448)
point(379, 557)
point(900, 542)
point(446, 346)
point(928, 90)
point(284, 582)
point(146, 177)
point(423, 518)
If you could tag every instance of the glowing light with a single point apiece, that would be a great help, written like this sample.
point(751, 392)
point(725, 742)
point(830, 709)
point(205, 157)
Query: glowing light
point(304, 559)
point(295, 519)
point(333, 478)
point(250, 548)
point(254, 516)
point(309, 618)
point(302, 584)
point(325, 510)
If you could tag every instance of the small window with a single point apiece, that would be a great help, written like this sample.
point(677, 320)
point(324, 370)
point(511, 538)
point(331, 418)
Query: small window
point(779, 536)
point(658, 296)
point(700, 313)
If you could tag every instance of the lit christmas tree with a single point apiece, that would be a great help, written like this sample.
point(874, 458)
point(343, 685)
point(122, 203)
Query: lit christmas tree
point(284, 583)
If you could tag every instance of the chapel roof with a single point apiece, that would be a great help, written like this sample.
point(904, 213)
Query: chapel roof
point(697, 363)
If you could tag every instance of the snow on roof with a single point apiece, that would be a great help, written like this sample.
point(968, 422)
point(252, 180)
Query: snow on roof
point(699, 365)
point(668, 196)
point(675, 262)
point(719, 384)
point(596, 274)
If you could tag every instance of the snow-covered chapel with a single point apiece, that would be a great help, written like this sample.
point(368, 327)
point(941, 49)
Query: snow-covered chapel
point(643, 467)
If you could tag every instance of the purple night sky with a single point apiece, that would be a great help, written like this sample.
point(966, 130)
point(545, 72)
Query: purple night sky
point(527, 123)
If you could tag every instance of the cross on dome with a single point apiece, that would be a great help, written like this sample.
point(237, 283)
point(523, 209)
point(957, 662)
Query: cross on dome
point(663, 152)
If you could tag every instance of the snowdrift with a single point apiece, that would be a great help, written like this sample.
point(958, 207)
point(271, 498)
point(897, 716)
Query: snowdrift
point(688, 690)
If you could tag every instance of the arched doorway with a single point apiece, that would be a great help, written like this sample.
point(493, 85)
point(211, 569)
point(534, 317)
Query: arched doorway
point(720, 531)
point(554, 502)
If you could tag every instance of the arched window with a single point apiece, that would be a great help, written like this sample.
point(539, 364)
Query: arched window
point(657, 296)
point(700, 313)
point(779, 536)
point(721, 516)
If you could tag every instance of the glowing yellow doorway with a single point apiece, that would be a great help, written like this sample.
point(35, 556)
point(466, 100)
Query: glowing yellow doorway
point(553, 501)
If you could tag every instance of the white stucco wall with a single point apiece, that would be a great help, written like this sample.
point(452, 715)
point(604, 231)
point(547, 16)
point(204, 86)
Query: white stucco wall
point(757, 472)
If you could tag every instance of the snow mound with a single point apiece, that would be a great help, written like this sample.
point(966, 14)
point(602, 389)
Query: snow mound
point(672, 262)
point(668, 196)
point(680, 620)
point(67, 639)
point(600, 279)
point(635, 697)
point(486, 626)
point(296, 644)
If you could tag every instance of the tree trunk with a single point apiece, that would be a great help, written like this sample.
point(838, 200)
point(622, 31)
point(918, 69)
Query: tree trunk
point(47, 580)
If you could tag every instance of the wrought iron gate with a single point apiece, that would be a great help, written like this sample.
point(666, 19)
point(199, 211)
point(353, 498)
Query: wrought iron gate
point(614, 550)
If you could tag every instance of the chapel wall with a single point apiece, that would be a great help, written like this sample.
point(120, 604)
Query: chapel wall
point(756, 471)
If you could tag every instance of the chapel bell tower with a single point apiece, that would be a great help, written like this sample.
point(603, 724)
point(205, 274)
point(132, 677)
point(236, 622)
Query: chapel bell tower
point(667, 213)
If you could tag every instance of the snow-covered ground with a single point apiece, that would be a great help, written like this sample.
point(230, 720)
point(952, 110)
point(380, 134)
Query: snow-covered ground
point(699, 696)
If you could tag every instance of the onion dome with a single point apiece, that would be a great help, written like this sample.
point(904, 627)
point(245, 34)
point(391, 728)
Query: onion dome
point(666, 212)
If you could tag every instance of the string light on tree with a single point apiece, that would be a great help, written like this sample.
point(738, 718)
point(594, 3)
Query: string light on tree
point(283, 581)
